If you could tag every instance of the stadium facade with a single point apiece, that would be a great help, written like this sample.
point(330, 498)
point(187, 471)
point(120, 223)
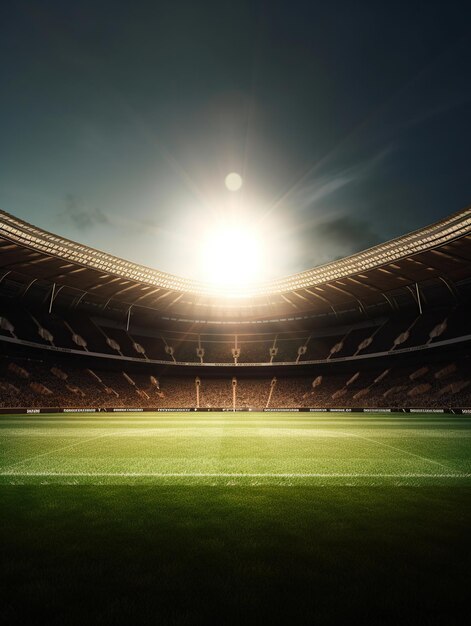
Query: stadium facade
point(385, 328)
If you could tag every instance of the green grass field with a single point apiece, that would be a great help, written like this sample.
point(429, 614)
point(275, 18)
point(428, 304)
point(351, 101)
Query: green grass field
point(230, 518)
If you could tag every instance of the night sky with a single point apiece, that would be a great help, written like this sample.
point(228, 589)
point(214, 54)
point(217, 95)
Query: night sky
point(350, 122)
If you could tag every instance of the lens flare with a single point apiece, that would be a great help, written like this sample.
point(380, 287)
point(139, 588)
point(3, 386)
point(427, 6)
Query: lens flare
point(233, 181)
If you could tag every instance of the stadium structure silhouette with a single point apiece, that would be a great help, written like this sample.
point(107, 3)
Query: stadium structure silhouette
point(386, 328)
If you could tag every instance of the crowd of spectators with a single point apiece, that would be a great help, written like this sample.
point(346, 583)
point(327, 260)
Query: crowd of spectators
point(29, 383)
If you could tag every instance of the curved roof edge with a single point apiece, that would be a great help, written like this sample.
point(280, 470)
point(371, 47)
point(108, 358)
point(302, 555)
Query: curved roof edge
point(429, 237)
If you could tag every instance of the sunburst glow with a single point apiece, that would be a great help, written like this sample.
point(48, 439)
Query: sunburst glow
point(232, 254)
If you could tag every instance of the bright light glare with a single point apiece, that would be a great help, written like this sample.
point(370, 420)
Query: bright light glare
point(233, 256)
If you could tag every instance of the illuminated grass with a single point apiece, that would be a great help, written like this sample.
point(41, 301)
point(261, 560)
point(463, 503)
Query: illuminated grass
point(201, 519)
point(253, 449)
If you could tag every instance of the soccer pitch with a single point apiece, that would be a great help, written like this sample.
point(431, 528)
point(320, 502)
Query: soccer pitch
point(236, 448)
point(198, 518)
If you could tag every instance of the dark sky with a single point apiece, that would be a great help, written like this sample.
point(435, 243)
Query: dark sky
point(350, 122)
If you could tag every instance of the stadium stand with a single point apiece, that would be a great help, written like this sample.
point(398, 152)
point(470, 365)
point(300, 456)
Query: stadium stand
point(83, 333)
point(388, 327)
point(25, 382)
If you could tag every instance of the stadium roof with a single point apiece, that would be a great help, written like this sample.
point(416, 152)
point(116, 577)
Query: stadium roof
point(437, 253)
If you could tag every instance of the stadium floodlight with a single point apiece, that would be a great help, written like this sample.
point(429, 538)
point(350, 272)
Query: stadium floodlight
point(232, 254)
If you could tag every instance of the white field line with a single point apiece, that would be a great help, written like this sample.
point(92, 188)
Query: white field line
point(387, 445)
point(147, 430)
point(72, 445)
point(232, 475)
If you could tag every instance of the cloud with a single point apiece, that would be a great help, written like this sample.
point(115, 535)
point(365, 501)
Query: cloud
point(86, 218)
point(349, 233)
point(334, 213)
point(81, 216)
point(336, 238)
point(308, 194)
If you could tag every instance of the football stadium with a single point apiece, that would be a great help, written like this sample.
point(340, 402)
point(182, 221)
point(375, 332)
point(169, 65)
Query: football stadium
point(177, 452)
point(235, 330)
